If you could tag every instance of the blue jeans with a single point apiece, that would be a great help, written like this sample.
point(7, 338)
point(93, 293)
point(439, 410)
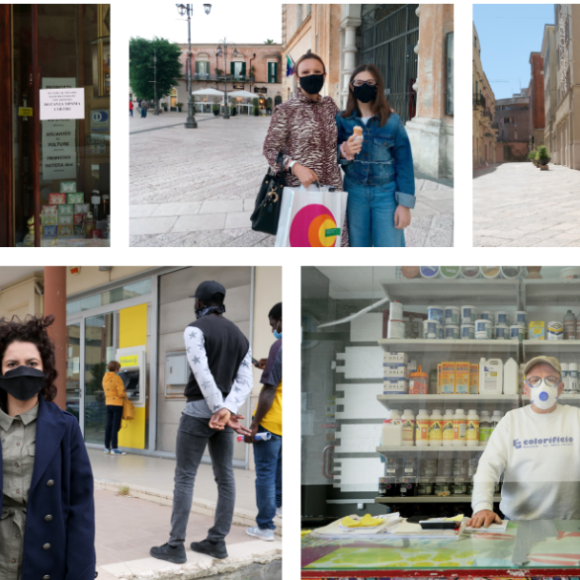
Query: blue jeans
point(370, 213)
point(268, 459)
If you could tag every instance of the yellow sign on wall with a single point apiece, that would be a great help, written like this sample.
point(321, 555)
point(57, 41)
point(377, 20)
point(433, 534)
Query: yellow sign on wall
point(25, 111)
point(129, 361)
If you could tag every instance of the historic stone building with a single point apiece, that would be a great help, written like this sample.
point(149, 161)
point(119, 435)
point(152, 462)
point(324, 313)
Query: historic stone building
point(566, 142)
point(513, 121)
point(536, 93)
point(411, 44)
point(485, 127)
point(549, 57)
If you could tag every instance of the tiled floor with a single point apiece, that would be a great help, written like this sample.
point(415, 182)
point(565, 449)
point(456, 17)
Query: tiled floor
point(196, 187)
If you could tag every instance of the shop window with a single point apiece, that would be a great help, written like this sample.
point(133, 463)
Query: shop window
point(272, 72)
point(238, 69)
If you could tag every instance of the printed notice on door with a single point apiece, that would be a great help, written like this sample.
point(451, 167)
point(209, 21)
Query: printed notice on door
point(59, 155)
point(62, 103)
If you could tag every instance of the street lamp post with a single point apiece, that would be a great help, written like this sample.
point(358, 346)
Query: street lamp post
point(223, 51)
point(156, 110)
point(184, 9)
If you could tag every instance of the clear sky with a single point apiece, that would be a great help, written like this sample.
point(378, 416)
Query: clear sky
point(239, 22)
point(508, 33)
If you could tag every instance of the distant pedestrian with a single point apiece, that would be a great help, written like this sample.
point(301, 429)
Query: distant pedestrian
point(115, 396)
point(47, 482)
point(144, 107)
point(268, 420)
point(130, 108)
point(220, 359)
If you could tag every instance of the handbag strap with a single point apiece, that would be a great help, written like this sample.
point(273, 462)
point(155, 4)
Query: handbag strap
point(280, 161)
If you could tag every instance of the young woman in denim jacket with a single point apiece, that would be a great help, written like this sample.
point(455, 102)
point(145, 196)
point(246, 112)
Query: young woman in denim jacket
point(378, 170)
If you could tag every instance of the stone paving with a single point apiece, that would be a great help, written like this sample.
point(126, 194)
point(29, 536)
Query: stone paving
point(517, 205)
point(196, 187)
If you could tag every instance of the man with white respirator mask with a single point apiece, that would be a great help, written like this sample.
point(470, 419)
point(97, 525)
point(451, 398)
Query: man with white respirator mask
point(537, 448)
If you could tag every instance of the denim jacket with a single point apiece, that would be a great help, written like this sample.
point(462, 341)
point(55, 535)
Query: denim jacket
point(385, 156)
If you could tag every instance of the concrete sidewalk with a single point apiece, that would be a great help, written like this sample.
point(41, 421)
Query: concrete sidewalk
point(197, 187)
point(518, 205)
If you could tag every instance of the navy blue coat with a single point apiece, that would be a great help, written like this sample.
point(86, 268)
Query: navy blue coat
point(59, 538)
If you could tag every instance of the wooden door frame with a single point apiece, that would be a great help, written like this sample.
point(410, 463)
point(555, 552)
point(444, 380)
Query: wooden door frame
point(6, 161)
point(35, 126)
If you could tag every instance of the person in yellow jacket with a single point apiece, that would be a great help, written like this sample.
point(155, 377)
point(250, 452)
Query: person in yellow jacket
point(115, 397)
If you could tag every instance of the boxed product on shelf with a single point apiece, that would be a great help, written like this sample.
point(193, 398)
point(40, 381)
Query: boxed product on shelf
point(395, 358)
point(76, 197)
point(462, 377)
point(66, 209)
point(79, 219)
point(395, 386)
point(82, 208)
point(65, 220)
point(56, 198)
point(537, 330)
point(79, 231)
point(48, 209)
point(446, 385)
point(68, 186)
point(473, 379)
point(395, 370)
point(65, 230)
point(50, 231)
point(48, 220)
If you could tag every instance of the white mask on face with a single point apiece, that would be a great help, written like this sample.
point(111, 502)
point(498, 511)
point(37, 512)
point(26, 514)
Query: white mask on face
point(543, 395)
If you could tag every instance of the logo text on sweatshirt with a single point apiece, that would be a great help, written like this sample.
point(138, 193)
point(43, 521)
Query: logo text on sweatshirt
point(543, 442)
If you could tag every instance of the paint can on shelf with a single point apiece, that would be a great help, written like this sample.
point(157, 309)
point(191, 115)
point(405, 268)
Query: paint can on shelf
point(451, 332)
point(482, 329)
point(470, 272)
point(435, 313)
point(396, 312)
point(486, 315)
point(555, 330)
point(517, 332)
point(501, 317)
point(451, 315)
point(431, 329)
point(429, 272)
point(501, 332)
point(519, 318)
point(468, 314)
point(449, 272)
point(490, 272)
point(468, 331)
point(396, 329)
point(511, 272)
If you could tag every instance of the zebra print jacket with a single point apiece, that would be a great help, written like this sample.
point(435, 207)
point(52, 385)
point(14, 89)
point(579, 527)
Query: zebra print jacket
point(305, 131)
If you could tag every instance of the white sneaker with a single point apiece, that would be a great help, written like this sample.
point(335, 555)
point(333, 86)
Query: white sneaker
point(256, 532)
point(118, 452)
point(105, 451)
point(279, 512)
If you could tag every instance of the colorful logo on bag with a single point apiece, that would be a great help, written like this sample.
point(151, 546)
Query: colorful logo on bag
point(313, 226)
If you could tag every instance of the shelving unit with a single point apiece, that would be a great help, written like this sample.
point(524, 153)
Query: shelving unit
point(443, 345)
point(448, 398)
point(430, 499)
point(382, 450)
point(551, 292)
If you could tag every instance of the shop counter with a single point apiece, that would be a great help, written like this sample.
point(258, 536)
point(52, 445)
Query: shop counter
point(482, 555)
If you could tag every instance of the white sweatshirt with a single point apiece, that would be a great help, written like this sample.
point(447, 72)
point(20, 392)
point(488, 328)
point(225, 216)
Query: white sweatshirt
point(539, 455)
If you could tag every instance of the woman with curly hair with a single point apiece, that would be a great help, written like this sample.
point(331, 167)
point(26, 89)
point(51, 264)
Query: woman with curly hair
point(47, 527)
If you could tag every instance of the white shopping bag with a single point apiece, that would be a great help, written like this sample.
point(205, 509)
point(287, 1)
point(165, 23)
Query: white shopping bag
point(311, 218)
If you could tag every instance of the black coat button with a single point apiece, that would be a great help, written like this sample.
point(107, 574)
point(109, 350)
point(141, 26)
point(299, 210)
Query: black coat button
point(46, 547)
point(50, 483)
point(48, 518)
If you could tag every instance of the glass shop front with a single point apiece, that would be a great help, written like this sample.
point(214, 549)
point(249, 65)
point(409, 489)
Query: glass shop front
point(420, 417)
point(55, 102)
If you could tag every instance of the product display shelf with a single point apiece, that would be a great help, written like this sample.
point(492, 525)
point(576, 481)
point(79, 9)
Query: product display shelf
point(414, 449)
point(455, 292)
point(550, 347)
point(441, 345)
point(421, 399)
point(552, 292)
point(430, 499)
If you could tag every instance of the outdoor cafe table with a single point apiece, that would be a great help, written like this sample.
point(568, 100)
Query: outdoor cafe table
point(484, 555)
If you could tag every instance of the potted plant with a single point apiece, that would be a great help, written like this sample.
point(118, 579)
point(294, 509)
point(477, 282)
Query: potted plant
point(216, 110)
point(218, 72)
point(179, 105)
point(164, 105)
point(532, 156)
point(543, 157)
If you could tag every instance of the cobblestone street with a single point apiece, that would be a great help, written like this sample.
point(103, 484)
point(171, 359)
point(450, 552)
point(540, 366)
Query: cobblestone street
point(517, 205)
point(196, 187)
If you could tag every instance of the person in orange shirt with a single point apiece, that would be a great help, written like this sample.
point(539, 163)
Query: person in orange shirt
point(115, 397)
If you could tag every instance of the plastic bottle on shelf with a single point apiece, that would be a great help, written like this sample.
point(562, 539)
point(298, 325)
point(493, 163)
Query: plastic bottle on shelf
point(408, 428)
point(472, 429)
point(565, 376)
point(436, 429)
point(490, 376)
point(392, 435)
point(447, 437)
point(569, 326)
point(459, 427)
point(484, 428)
point(422, 423)
point(496, 418)
point(510, 377)
point(573, 377)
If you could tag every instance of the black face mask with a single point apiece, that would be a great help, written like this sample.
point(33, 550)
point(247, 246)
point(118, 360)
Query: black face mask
point(364, 93)
point(312, 84)
point(23, 382)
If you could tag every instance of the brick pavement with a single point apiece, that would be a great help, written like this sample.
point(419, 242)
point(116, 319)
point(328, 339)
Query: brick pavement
point(196, 187)
point(127, 527)
point(517, 205)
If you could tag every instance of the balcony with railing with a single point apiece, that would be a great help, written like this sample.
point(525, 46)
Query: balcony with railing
point(222, 78)
point(487, 113)
point(478, 101)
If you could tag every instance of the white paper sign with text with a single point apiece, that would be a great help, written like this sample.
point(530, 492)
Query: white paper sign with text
point(57, 104)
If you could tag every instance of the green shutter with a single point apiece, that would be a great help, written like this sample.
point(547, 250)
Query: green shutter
point(243, 69)
point(232, 68)
point(276, 71)
point(197, 67)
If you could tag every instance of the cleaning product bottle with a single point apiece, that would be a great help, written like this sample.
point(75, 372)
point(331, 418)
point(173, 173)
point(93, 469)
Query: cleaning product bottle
point(472, 429)
point(422, 423)
point(447, 438)
point(497, 415)
point(459, 427)
point(510, 377)
point(392, 435)
point(490, 376)
point(436, 429)
point(484, 428)
point(573, 377)
point(569, 326)
point(408, 428)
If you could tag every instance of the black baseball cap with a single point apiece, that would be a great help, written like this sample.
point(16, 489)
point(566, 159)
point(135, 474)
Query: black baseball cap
point(207, 289)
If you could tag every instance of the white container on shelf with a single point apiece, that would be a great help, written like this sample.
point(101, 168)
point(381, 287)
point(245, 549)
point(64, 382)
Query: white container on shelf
point(459, 428)
point(484, 428)
point(472, 429)
point(496, 418)
point(435, 313)
point(491, 272)
point(422, 423)
point(451, 332)
point(501, 332)
point(482, 329)
point(396, 329)
point(447, 438)
point(429, 272)
point(468, 314)
point(392, 435)
point(449, 272)
point(572, 273)
point(408, 428)
point(468, 331)
point(487, 315)
point(573, 378)
point(565, 376)
point(451, 315)
point(519, 318)
point(500, 317)
point(396, 310)
point(431, 329)
point(490, 376)
point(511, 272)
point(436, 429)
point(510, 377)
point(555, 330)
point(517, 332)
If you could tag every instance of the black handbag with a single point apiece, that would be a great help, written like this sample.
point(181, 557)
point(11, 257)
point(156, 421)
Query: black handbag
point(269, 201)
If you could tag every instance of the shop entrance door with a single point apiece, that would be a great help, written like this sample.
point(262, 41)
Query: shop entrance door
point(54, 173)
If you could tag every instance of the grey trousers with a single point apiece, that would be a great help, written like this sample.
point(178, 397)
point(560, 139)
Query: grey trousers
point(192, 437)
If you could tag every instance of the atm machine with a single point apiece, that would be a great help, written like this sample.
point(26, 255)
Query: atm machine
point(133, 371)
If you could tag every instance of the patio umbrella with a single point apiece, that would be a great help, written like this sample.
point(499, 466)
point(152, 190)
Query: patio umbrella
point(209, 92)
point(245, 94)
